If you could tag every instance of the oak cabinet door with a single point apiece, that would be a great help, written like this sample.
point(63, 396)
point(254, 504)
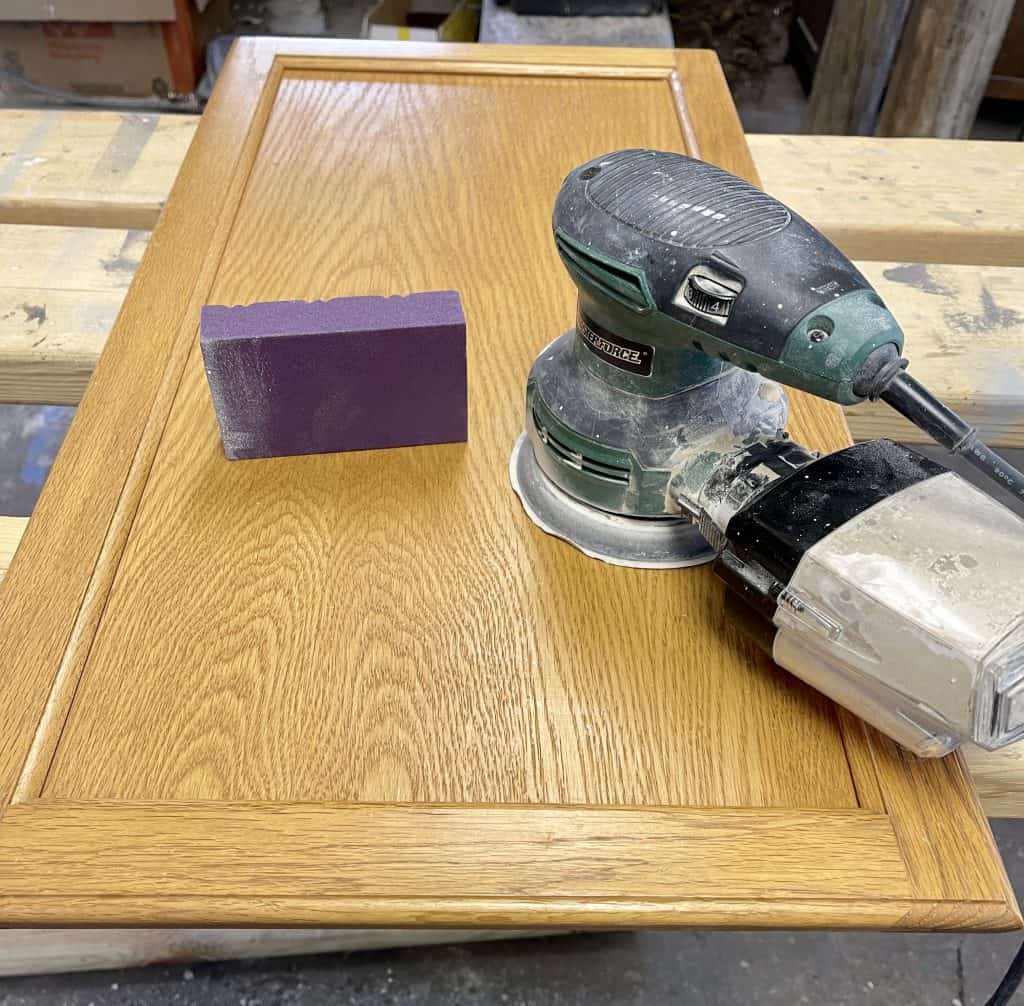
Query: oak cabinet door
point(363, 689)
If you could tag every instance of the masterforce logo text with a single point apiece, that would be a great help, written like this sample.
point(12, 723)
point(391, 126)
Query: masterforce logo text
point(621, 353)
point(602, 345)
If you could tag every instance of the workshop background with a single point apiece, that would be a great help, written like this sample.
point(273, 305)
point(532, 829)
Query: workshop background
point(789, 74)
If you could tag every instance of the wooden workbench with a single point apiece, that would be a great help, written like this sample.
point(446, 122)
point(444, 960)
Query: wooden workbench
point(74, 764)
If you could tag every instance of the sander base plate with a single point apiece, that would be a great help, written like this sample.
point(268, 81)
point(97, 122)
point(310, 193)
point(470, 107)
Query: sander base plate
point(644, 543)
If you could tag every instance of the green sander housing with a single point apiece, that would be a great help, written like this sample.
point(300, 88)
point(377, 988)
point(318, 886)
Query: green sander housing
point(697, 291)
point(690, 269)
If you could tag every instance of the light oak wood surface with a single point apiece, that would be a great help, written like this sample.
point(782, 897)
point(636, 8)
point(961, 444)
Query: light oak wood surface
point(998, 775)
point(418, 571)
point(364, 689)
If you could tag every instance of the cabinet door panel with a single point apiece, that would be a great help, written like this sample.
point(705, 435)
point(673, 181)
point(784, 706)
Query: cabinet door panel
point(363, 688)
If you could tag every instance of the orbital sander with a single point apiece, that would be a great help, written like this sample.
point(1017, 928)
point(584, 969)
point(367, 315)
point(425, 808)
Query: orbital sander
point(655, 437)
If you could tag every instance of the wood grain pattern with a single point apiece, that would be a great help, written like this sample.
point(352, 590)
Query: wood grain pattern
point(372, 865)
point(94, 462)
point(446, 853)
point(970, 313)
point(912, 788)
point(387, 629)
point(902, 200)
point(759, 913)
point(434, 706)
point(914, 200)
point(997, 775)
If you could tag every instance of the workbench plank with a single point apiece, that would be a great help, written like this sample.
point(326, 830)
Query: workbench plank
point(516, 734)
point(58, 951)
point(60, 291)
point(89, 168)
point(964, 328)
point(999, 779)
point(11, 531)
point(902, 200)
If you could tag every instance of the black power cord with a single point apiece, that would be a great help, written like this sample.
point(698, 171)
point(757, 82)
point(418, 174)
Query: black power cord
point(1011, 980)
point(913, 400)
point(883, 376)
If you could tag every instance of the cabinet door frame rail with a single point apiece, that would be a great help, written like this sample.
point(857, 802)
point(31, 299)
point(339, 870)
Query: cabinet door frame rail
point(125, 863)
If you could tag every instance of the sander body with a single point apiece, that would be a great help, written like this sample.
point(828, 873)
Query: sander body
point(655, 437)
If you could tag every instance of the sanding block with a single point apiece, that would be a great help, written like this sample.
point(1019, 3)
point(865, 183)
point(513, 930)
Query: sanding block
point(353, 373)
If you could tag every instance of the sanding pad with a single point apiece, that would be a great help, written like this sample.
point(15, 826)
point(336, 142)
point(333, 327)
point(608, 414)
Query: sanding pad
point(354, 373)
point(644, 543)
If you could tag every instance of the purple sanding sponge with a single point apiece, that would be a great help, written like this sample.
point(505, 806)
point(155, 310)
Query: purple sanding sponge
point(355, 373)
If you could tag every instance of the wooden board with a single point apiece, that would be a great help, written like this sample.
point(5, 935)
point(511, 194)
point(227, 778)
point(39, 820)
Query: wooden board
point(852, 69)
point(89, 169)
point(54, 951)
point(999, 779)
point(902, 200)
point(964, 329)
point(364, 689)
point(11, 531)
point(942, 67)
point(60, 291)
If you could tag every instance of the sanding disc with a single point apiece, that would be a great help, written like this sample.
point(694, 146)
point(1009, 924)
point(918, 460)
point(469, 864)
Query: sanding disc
point(622, 541)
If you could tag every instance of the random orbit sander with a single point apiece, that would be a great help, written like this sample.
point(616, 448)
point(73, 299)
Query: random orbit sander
point(655, 438)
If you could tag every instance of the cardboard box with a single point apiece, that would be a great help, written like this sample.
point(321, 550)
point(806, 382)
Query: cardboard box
point(423, 21)
point(132, 48)
point(88, 10)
